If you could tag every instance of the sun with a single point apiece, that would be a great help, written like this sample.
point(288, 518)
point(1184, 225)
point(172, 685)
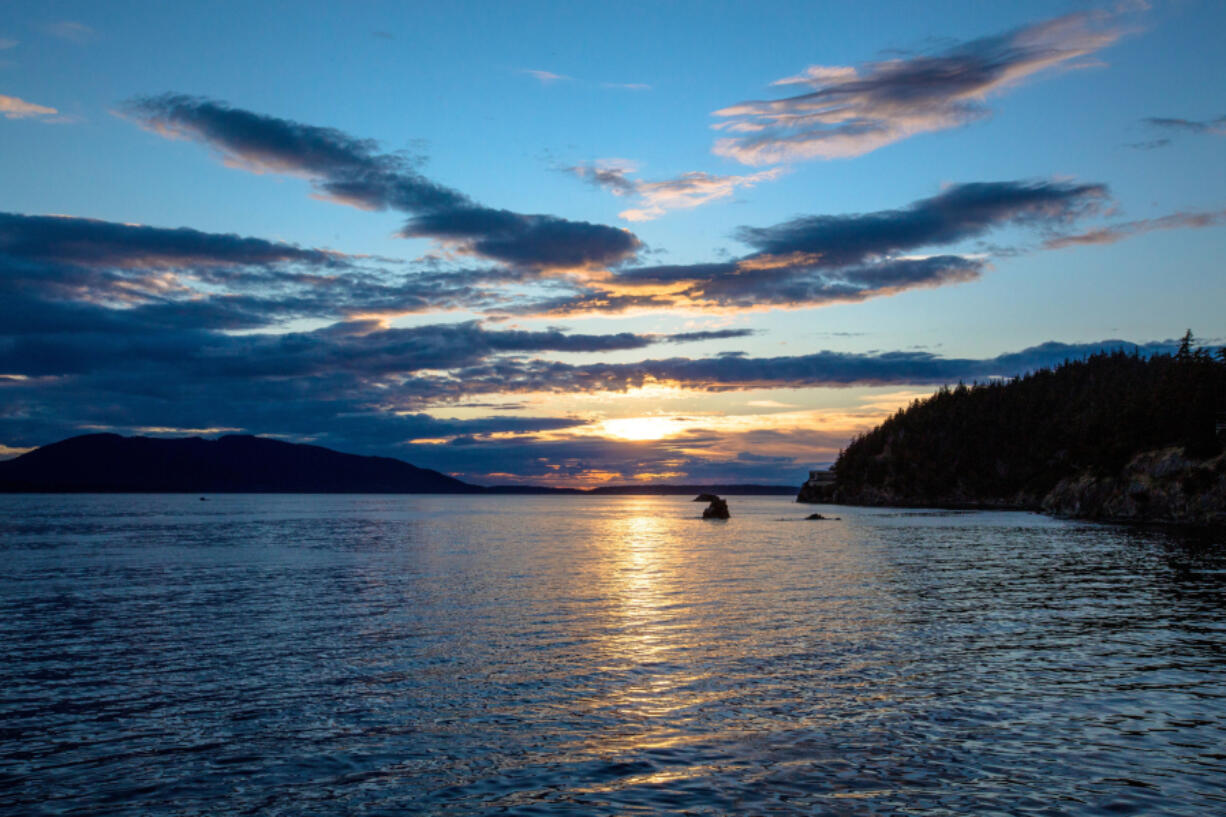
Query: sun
point(640, 428)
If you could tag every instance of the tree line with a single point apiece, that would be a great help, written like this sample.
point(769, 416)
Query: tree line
point(1015, 439)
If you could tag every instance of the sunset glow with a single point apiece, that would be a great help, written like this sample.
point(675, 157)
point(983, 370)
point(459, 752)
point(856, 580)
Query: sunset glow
point(641, 428)
point(588, 266)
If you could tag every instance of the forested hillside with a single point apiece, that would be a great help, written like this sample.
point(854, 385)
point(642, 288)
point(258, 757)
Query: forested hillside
point(1010, 443)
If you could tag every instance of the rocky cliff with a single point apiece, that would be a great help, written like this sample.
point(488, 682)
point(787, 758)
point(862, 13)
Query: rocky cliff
point(1164, 485)
point(1155, 486)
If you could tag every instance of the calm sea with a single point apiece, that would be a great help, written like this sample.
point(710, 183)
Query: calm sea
point(387, 655)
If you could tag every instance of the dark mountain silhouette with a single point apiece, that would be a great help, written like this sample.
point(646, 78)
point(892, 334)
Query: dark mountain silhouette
point(109, 463)
point(231, 464)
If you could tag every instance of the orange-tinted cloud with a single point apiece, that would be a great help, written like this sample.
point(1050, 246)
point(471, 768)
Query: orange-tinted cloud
point(852, 111)
point(16, 108)
point(1118, 232)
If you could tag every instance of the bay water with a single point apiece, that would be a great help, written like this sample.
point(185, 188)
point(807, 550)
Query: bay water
point(386, 655)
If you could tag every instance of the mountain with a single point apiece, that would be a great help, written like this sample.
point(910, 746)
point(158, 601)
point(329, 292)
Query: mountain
point(232, 464)
point(109, 463)
point(1114, 436)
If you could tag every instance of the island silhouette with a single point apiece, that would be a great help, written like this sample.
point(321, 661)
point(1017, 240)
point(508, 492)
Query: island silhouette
point(239, 463)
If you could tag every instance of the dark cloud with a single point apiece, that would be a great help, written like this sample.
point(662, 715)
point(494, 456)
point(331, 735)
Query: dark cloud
point(733, 373)
point(105, 243)
point(815, 260)
point(960, 212)
point(105, 340)
point(714, 334)
point(57, 271)
point(851, 111)
point(352, 171)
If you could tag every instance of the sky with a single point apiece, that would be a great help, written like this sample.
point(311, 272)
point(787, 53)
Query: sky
point(579, 244)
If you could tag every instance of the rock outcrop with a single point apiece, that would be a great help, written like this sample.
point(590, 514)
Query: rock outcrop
point(1164, 485)
point(718, 509)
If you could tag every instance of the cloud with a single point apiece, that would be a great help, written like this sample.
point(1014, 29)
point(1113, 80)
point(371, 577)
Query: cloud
point(850, 111)
point(816, 260)
point(351, 171)
point(77, 364)
point(690, 190)
point(609, 174)
point(807, 261)
point(1215, 127)
point(627, 86)
point(546, 77)
point(105, 243)
point(6, 43)
point(686, 191)
point(715, 334)
point(1149, 144)
point(723, 373)
point(962, 211)
point(70, 30)
point(59, 270)
point(1118, 232)
point(83, 295)
point(15, 108)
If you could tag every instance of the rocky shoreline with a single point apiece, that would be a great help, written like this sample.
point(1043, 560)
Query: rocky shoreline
point(1160, 486)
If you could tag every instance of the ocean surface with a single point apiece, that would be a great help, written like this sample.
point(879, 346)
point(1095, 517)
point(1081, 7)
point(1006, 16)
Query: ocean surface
point(388, 655)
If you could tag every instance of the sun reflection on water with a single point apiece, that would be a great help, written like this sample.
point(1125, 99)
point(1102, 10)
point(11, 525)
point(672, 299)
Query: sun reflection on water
point(647, 636)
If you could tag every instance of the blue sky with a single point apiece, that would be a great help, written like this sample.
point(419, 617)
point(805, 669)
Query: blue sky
point(853, 202)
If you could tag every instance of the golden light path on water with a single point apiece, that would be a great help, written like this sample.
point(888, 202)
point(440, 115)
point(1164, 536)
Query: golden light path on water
point(649, 635)
point(676, 590)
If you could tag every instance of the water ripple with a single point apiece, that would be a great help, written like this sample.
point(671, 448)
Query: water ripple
point(288, 655)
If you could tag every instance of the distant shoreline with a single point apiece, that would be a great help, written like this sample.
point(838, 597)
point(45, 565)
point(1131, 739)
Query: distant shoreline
point(492, 490)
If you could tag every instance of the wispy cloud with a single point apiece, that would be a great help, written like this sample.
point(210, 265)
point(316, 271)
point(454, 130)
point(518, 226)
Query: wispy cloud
point(16, 108)
point(851, 111)
point(627, 86)
point(352, 171)
point(70, 30)
point(6, 43)
point(546, 77)
point(683, 192)
point(1216, 127)
point(1149, 144)
point(1118, 232)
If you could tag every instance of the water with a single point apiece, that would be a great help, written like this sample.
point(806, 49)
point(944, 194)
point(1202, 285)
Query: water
point(312, 655)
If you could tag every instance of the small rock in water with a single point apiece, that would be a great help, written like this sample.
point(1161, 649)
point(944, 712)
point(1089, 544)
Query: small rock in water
point(819, 516)
point(718, 509)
